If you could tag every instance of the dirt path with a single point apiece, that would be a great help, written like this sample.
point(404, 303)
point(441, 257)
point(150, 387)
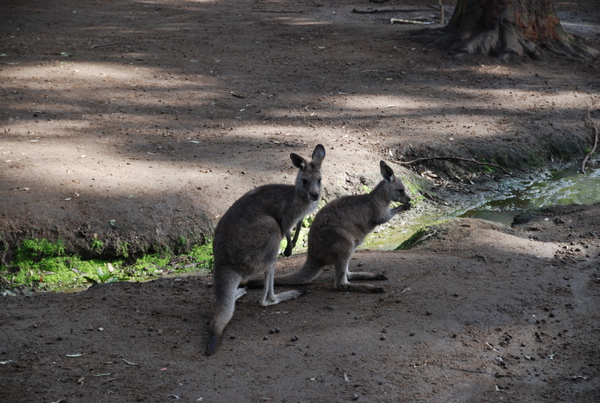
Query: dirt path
point(140, 122)
point(480, 313)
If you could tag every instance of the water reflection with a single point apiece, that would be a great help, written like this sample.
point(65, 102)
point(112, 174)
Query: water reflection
point(556, 188)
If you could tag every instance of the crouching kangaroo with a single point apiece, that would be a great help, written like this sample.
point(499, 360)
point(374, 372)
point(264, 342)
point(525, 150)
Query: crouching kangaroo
point(340, 227)
point(248, 237)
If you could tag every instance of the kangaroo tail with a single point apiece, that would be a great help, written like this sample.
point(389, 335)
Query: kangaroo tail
point(225, 282)
point(309, 271)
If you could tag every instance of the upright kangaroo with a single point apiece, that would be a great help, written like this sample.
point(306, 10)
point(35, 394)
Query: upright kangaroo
point(248, 237)
point(340, 227)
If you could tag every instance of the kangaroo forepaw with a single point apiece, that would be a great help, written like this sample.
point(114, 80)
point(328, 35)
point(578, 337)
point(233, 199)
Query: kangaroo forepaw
point(380, 277)
point(288, 251)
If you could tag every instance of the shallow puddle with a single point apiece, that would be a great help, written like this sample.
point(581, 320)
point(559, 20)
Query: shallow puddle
point(514, 196)
point(555, 188)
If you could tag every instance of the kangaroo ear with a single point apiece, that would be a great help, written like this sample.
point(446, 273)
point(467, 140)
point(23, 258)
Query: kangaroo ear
point(318, 154)
point(386, 171)
point(298, 161)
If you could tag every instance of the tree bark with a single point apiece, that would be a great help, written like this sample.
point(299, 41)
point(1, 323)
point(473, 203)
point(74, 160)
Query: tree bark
point(510, 29)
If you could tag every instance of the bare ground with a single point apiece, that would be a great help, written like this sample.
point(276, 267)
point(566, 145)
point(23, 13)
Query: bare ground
point(141, 122)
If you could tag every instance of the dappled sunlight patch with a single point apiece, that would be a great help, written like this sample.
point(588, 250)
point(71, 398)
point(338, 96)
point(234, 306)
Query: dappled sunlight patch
point(92, 72)
point(60, 169)
point(300, 21)
point(101, 82)
point(491, 240)
point(510, 244)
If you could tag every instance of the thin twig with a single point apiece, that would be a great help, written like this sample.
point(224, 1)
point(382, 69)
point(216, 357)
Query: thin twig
point(418, 160)
point(595, 143)
point(102, 45)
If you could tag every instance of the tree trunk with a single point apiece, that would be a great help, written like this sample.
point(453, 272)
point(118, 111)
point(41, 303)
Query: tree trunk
point(510, 29)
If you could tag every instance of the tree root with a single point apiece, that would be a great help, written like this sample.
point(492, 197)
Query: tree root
point(470, 160)
point(511, 46)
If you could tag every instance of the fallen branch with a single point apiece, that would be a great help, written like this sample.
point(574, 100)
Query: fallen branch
point(403, 21)
point(472, 161)
point(595, 143)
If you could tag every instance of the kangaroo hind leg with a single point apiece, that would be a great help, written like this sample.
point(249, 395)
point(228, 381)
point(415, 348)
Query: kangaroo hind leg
point(269, 297)
point(343, 277)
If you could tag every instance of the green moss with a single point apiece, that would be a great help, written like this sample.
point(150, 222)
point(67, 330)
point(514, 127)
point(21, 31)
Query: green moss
point(489, 169)
point(97, 245)
point(416, 187)
point(203, 255)
point(45, 265)
point(123, 250)
point(34, 250)
point(53, 272)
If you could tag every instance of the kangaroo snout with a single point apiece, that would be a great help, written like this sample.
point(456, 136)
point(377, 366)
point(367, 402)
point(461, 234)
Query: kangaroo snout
point(408, 201)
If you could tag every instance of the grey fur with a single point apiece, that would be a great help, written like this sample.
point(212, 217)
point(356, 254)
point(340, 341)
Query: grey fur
point(248, 237)
point(340, 227)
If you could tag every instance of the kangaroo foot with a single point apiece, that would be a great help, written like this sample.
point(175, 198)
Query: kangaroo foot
point(282, 296)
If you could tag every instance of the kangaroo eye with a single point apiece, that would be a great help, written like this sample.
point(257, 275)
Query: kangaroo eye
point(305, 181)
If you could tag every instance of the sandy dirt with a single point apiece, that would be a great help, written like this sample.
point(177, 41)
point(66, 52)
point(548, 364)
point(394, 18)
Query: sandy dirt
point(140, 122)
